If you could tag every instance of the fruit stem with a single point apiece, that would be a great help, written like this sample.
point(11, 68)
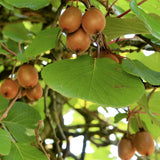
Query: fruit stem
point(128, 127)
point(105, 44)
point(13, 70)
point(121, 15)
point(139, 121)
point(19, 47)
point(76, 3)
point(110, 8)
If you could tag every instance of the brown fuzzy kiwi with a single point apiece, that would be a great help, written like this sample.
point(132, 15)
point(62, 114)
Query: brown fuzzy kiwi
point(144, 143)
point(9, 89)
point(34, 93)
point(70, 20)
point(93, 21)
point(27, 76)
point(78, 41)
point(103, 54)
point(126, 148)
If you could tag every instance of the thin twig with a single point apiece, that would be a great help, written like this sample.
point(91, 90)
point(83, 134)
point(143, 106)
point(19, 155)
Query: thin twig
point(10, 58)
point(13, 70)
point(156, 47)
point(19, 47)
point(105, 44)
point(4, 115)
point(110, 8)
point(40, 142)
point(150, 94)
point(121, 15)
point(8, 50)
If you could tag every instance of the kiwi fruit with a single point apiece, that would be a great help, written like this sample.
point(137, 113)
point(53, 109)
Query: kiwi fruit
point(126, 148)
point(27, 76)
point(144, 143)
point(70, 20)
point(34, 93)
point(9, 88)
point(93, 21)
point(78, 41)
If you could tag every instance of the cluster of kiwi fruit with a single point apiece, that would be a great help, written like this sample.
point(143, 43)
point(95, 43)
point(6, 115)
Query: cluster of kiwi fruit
point(26, 81)
point(142, 142)
point(79, 28)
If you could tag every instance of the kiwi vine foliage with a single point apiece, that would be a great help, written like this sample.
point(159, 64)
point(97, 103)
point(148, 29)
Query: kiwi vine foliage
point(84, 85)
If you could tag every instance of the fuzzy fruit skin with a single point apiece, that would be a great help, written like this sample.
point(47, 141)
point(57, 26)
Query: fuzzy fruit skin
point(93, 21)
point(144, 143)
point(113, 57)
point(70, 20)
point(78, 41)
point(34, 93)
point(9, 89)
point(27, 76)
point(103, 54)
point(126, 149)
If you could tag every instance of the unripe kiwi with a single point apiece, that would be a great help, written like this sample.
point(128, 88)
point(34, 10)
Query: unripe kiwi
point(78, 41)
point(27, 76)
point(144, 143)
point(9, 88)
point(34, 93)
point(70, 20)
point(126, 148)
point(93, 21)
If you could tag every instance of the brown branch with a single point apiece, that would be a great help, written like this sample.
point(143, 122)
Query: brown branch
point(156, 47)
point(19, 47)
point(151, 93)
point(48, 115)
point(121, 15)
point(8, 50)
point(40, 142)
point(4, 115)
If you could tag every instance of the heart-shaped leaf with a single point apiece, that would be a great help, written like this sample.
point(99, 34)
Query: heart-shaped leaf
point(102, 81)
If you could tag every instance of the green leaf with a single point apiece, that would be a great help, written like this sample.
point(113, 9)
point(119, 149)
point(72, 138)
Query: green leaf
point(137, 68)
point(6, 5)
point(143, 102)
point(22, 151)
point(119, 117)
point(45, 40)
point(16, 32)
point(32, 4)
point(116, 27)
point(151, 24)
point(99, 154)
point(21, 121)
point(3, 104)
point(154, 102)
point(101, 81)
point(5, 144)
point(152, 61)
